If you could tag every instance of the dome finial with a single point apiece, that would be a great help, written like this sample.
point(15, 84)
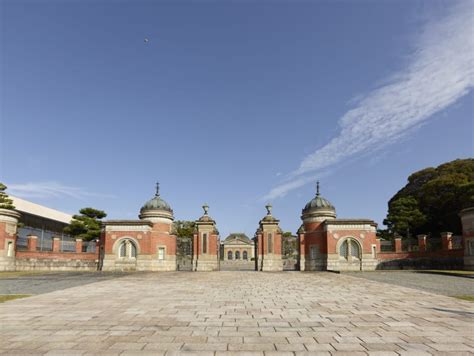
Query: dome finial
point(205, 207)
point(317, 188)
point(157, 194)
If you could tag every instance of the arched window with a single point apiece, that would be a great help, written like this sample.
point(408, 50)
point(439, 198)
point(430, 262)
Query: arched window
point(10, 249)
point(244, 255)
point(343, 249)
point(123, 249)
point(270, 242)
point(237, 255)
point(350, 250)
point(127, 249)
point(229, 255)
point(355, 250)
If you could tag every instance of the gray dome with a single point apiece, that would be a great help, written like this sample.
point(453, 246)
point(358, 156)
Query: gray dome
point(156, 203)
point(318, 203)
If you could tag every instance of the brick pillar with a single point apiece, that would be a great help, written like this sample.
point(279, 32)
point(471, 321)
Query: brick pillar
point(56, 244)
point(206, 243)
point(422, 242)
point(32, 242)
point(302, 260)
point(446, 241)
point(8, 230)
point(377, 243)
point(467, 221)
point(398, 244)
point(78, 245)
point(271, 238)
point(195, 249)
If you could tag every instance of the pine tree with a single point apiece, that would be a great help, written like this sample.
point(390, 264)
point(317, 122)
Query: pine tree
point(5, 201)
point(87, 225)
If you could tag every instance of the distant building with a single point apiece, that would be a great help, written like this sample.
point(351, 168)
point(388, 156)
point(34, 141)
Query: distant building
point(237, 246)
point(41, 221)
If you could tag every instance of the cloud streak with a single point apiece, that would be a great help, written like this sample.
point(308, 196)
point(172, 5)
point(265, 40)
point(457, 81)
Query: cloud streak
point(50, 190)
point(438, 73)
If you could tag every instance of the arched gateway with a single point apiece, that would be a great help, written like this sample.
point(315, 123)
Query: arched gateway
point(322, 242)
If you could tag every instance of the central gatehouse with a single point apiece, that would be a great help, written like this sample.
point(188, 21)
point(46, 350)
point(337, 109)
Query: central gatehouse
point(322, 242)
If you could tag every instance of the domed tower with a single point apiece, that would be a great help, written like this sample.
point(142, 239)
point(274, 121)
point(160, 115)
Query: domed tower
point(313, 242)
point(157, 210)
point(206, 243)
point(318, 209)
point(269, 243)
point(162, 242)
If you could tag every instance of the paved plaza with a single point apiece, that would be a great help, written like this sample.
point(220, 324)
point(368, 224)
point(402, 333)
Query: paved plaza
point(237, 313)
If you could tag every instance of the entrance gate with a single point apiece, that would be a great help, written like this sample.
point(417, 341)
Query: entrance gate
point(289, 252)
point(184, 253)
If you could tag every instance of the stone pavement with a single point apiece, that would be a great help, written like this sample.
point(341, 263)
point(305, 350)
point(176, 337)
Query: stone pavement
point(237, 313)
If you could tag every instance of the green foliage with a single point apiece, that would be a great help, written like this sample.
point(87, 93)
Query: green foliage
point(87, 225)
point(183, 228)
point(404, 216)
point(385, 234)
point(432, 199)
point(5, 201)
point(289, 245)
point(184, 231)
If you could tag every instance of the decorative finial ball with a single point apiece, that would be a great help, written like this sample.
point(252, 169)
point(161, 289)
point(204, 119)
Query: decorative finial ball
point(269, 209)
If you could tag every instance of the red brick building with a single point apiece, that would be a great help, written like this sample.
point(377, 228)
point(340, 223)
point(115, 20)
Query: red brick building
point(327, 243)
point(147, 244)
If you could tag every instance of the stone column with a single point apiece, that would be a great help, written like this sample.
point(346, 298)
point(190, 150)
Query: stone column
point(421, 243)
point(398, 244)
point(32, 243)
point(446, 241)
point(8, 229)
point(78, 245)
point(56, 244)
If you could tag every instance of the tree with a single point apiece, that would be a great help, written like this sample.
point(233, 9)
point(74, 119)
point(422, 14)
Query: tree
point(87, 225)
point(183, 228)
point(289, 244)
point(5, 201)
point(184, 231)
point(404, 216)
point(432, 199)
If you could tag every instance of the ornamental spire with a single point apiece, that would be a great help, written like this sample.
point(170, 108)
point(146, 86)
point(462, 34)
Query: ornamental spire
point(157, 194)
point(317, 188)
point(205, 207)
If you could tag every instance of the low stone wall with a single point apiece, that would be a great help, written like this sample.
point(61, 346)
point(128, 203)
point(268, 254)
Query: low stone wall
point(452, 259)
point(55, 261)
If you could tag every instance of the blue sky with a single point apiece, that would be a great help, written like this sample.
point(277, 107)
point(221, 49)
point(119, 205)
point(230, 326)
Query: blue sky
point(231, 103)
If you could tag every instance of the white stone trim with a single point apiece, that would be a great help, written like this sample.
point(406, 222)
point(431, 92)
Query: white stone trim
point(143, 228)
point(365, 227)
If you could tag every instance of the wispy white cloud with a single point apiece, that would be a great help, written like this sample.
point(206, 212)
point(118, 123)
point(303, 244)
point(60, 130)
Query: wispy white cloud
point(438, 72)
point(50, 190)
